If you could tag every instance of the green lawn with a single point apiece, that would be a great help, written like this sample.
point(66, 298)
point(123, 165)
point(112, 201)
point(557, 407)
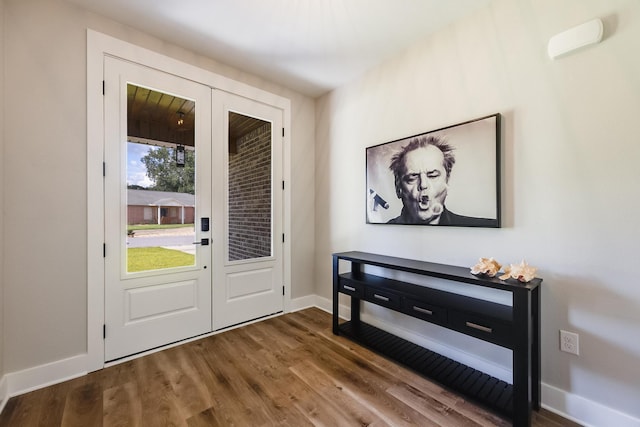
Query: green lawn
point(156, 226)
point(155, 258)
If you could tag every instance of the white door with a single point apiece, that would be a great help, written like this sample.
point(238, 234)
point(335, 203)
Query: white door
point(248, 247)
point(157, 278)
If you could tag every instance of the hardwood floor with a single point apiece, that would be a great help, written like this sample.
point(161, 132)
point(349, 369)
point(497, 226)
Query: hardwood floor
point(288, 371)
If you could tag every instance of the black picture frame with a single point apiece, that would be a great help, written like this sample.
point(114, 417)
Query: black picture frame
point(469, 164)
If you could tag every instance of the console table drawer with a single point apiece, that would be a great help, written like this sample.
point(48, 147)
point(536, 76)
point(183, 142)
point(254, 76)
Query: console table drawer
point(351, 288)
point(384, 298)
point(423, 310)
point(485, 328)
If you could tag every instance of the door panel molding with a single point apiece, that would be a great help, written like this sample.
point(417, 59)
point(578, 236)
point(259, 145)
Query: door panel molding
point(175, 298)
point(248, 283)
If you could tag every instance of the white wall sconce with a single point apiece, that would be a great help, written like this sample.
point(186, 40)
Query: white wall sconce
point(575, 38)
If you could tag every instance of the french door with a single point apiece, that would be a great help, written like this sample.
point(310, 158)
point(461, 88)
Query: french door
point(193, 209)
point(248, 255)
point(157, 286)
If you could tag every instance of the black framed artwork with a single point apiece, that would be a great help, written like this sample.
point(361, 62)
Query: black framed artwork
point(445, 177)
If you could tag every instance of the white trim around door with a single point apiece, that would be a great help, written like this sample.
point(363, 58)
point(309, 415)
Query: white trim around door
point(100, 46)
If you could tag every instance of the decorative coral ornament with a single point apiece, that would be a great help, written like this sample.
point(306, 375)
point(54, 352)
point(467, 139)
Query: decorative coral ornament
point(486, 266)
point(522, 272)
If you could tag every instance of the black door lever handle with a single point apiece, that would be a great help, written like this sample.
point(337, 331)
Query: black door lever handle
point(204, 242)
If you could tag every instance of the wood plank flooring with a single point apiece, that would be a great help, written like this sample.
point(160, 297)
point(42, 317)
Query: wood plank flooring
point(285, 371)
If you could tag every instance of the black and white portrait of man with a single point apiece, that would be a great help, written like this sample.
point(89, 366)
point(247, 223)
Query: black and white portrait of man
point(447, 177)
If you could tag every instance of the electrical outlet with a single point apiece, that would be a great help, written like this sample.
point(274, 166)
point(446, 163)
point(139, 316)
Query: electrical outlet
point(569, 342)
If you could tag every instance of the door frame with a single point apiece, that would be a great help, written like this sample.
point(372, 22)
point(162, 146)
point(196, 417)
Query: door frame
point(98, 46)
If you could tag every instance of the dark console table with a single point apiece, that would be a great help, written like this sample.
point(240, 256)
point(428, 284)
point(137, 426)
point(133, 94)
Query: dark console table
point(515, 327)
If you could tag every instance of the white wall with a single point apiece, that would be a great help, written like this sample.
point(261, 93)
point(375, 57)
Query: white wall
point(570, 173)
point(45, 276)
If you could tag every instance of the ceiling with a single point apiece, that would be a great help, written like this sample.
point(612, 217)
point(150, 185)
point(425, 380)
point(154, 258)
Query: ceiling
point(311, 46)
point(159, 118)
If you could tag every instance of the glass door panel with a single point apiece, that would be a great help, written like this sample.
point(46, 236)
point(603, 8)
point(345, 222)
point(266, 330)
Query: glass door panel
point(161, 188)
point(249, 183)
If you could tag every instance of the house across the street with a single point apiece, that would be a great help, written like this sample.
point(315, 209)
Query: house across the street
point(159, 207)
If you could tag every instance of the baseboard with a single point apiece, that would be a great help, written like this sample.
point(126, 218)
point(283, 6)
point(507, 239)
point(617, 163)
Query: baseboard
point(4, 395)
point(27, 380)
point(301, 303)
point(325, 304)
point(584, 411)
point(570, 406)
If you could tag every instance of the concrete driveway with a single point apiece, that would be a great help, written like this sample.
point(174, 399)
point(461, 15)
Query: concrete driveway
point(180, 239)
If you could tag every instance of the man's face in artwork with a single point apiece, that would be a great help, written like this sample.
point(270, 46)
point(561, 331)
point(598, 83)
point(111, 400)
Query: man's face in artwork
point(423, 185)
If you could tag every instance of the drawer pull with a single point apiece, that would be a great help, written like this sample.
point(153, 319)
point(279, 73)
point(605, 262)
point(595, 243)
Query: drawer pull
point(422, 310)
point(380, 297)
point(349, 288)
point(478, 327)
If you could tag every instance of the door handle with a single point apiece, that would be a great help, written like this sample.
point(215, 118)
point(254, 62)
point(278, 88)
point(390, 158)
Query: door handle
point(204, 242)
